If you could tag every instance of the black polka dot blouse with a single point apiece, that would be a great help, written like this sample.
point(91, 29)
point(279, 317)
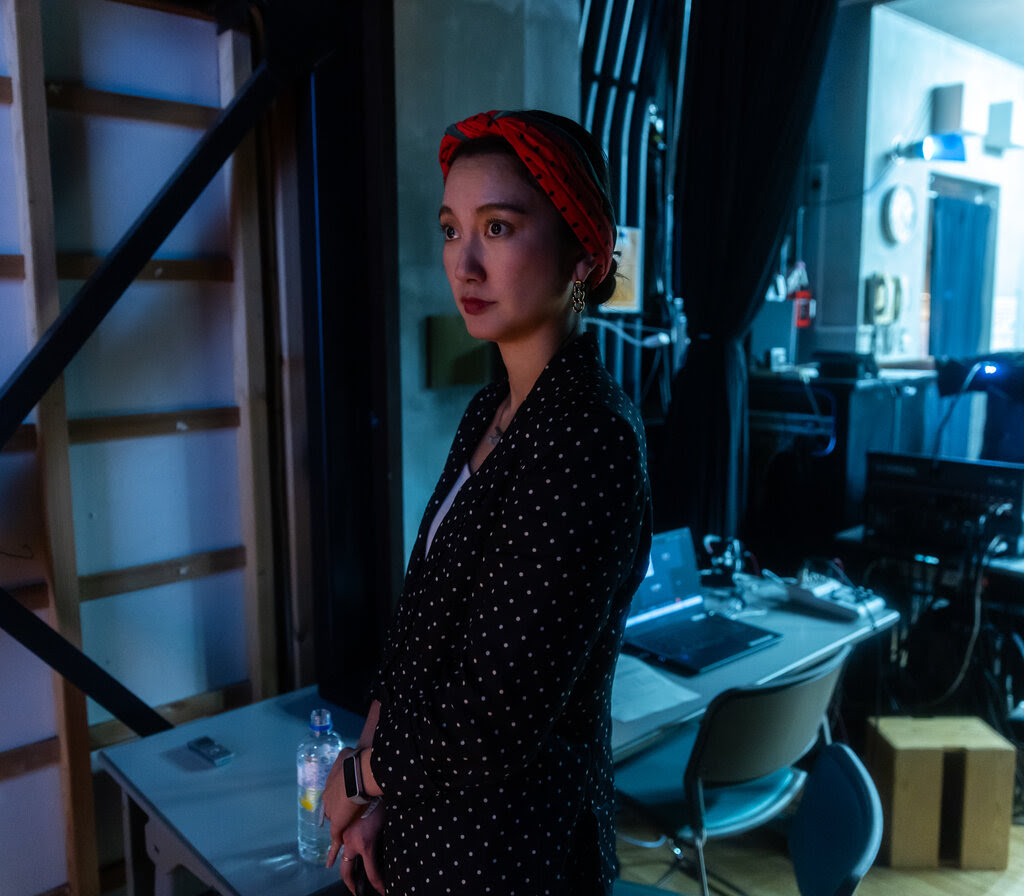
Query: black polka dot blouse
point(493, 745)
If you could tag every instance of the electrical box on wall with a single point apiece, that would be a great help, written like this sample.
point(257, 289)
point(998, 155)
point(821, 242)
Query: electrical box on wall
point(957, 109)
point(1000, 135)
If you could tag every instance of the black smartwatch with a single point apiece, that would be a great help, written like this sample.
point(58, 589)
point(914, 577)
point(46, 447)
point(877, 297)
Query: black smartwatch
point(353, 772)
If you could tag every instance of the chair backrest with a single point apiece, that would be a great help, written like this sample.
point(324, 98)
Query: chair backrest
point(748, 733)
point(627, 888)
point(837, 828)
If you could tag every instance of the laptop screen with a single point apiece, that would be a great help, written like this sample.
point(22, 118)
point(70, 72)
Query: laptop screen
point(673, 579)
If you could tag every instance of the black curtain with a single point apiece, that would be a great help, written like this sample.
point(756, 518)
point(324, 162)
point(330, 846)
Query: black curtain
point(960, 229)
point(751, 80)
point(349, 241)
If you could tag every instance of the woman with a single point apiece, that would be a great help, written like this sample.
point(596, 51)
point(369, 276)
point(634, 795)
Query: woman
point(489, 738)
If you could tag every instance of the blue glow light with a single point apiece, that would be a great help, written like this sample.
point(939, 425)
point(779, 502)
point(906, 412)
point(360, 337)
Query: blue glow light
point(935, 148)
point(947, 147)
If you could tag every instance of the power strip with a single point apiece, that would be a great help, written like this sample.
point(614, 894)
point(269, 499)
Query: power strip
point(830, 597)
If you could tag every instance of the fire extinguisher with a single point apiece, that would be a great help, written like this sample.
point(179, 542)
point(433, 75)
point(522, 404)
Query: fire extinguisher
point(803, 308)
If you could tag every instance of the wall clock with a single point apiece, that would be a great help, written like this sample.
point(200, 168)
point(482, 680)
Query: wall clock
point(899, 214)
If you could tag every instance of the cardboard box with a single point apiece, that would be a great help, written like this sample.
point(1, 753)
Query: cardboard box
point(946, 786)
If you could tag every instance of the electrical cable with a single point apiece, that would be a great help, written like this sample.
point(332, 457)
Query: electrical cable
point(952, 406)
point(816, 410)
point(972, 641)
point(649, 381)
point(850, 197)
point(658, 338)
point(924, 110)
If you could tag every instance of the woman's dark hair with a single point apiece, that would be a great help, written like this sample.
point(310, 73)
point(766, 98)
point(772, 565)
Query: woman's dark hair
point(588, 151)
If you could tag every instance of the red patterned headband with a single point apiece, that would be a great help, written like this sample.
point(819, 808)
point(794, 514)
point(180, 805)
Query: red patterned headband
point(562, 171)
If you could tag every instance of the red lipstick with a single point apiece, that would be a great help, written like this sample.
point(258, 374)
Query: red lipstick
point(475, 306)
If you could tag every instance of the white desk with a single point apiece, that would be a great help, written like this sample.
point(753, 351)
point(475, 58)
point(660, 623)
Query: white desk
point(233, 826)
point(806, 639)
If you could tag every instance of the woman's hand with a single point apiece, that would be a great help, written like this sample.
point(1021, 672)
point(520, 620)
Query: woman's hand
point(338, 808)
point(361, 842)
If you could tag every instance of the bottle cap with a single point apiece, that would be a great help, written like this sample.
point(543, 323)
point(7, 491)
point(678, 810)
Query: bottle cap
point(320, 720)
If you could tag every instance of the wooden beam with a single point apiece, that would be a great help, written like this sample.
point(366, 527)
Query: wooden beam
point(199, 706)
point(12, 267)
point(250, 374)
point(138, 426)
point(35, 596)
point(296, 591)
point(216, 268)
point(164, 572)
point(23, 440)
point(83, 100)
point(29, 758)
point(22, 27)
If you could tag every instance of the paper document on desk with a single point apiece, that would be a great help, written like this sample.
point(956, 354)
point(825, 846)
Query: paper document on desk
point(640, 690)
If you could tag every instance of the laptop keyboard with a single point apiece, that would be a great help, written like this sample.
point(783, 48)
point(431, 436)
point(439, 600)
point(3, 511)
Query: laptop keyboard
point(686, 635)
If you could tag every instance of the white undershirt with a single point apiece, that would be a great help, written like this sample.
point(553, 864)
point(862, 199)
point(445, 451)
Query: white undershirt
point(446, 505)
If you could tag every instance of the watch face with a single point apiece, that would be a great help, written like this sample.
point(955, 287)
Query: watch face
point(899, 214)
point(349, 769)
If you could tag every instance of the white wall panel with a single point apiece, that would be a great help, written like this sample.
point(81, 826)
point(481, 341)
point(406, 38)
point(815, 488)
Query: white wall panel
point(13, 329)
point(106, 171)
point(10, 229)
point(170, 642)
point(166, 56)
point(164, 346)
point(31, 834)
point(145, 500)
point(20, 522)
point(26, 697)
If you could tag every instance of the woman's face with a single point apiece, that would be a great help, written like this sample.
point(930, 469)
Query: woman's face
point(504, 253)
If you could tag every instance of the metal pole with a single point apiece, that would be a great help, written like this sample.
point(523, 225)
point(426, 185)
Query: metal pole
point(63, 657)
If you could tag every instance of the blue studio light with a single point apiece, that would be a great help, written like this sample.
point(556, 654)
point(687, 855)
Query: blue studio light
point(949, 147)
point(935, 148)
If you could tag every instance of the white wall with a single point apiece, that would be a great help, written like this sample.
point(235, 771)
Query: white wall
point(877, 87)
point(908, 59)
point(454, 59)
point(164, 347)
point(167, 346)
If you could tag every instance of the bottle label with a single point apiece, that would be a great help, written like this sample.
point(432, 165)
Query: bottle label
point(312, 780)
point(309, 799)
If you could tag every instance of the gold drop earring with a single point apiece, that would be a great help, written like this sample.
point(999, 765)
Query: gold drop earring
point(579, 296)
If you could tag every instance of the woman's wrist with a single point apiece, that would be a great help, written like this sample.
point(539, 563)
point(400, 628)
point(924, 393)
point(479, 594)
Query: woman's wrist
point(369, 782)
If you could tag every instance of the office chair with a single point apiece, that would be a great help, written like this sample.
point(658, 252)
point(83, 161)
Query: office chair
point(738, 770)
point(837, 828)
point(628, 888)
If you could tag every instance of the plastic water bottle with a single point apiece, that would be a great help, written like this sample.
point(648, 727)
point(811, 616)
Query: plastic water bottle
point(316, 754)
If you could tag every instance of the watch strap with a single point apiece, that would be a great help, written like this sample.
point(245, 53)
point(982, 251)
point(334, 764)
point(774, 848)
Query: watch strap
point(353, 773)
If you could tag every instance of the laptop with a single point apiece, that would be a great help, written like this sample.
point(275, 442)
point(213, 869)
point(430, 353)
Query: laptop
point(669, 622)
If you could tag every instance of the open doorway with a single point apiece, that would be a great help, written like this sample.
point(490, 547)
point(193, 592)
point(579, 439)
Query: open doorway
point(957, 297)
